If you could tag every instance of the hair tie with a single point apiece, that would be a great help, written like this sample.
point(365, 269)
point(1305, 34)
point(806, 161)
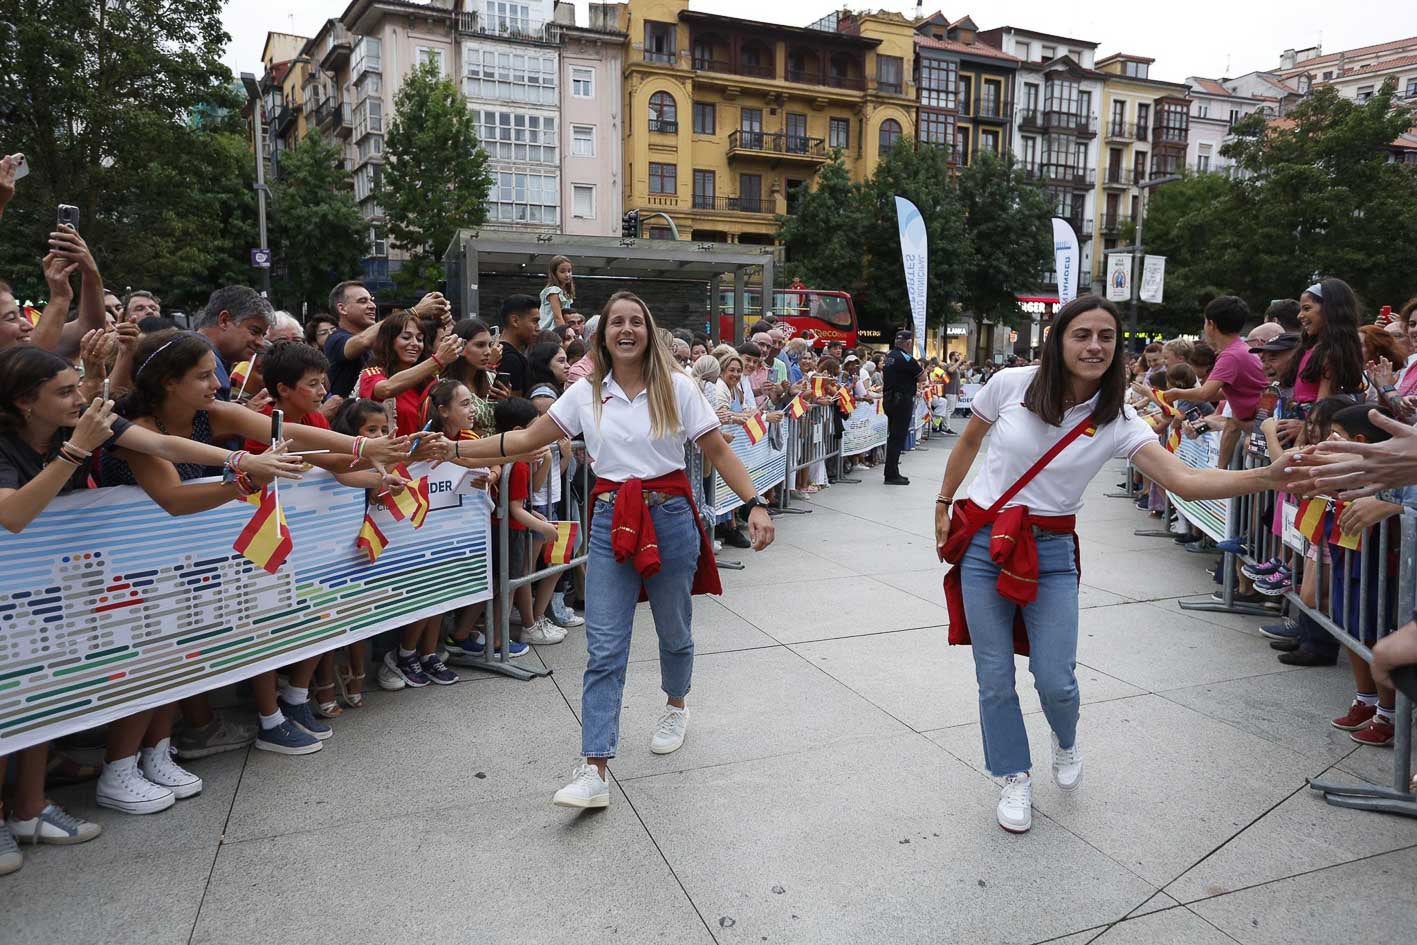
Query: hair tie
point(150, 357)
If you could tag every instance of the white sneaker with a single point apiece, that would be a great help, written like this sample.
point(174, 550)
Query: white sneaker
point(53, 825)
point(587, 789)
point(388, 679)
point(669, 732)
point(1016, 804)
point(1067, 765)
point(543, 633)
point(562, 615)
point(160, 768)
point(122, 786)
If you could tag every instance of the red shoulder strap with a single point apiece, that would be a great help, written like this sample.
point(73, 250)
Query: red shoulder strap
point(1039, 466)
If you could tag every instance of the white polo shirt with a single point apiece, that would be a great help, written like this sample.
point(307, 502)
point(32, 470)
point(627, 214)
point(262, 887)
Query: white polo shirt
point(619, 442)
point(1019, 438)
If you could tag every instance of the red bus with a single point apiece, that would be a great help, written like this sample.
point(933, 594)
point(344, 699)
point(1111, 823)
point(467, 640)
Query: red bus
point(830, 314)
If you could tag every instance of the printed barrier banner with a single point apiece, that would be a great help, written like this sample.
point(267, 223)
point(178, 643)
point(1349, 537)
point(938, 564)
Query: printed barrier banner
point(864, 430)
point(1211, 516)
point(766, 461)
point(109, 606)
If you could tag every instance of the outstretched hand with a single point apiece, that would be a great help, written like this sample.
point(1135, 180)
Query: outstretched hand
point(1351, 470)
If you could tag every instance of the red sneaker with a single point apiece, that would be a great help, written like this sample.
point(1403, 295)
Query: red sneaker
point(1378, 733)
point(1357, 718)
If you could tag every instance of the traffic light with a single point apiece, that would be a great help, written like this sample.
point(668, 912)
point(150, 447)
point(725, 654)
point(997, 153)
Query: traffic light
point(630, 225)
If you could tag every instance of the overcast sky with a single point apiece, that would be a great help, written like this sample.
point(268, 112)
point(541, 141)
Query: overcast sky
point(1196, 37)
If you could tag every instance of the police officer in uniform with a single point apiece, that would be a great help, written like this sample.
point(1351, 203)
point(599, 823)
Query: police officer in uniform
point(901, 378)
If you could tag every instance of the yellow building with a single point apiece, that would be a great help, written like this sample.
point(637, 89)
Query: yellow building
point(727, 119)
point(1145, 130)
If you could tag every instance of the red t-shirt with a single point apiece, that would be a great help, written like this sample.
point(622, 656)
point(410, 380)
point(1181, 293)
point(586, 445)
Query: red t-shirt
point(410, 402)
point(518, 490)
point(315, 419)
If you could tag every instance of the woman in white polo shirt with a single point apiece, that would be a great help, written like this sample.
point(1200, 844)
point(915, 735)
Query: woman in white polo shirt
point(1013, 540)
point(636, 411)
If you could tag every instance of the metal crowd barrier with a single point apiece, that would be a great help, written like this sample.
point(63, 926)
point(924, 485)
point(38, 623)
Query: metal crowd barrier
point(809, 440)
point(574, 506)
point(1382, 571)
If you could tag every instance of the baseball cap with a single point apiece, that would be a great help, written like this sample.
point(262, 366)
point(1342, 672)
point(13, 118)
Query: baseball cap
point(1285, 342)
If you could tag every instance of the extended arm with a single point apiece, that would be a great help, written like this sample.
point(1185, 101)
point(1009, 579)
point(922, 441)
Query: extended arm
point(356, 345)
point(1189, 482)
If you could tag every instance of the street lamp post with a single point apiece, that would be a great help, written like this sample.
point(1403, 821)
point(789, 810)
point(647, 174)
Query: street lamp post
point(253, 95)
point(1146, 187)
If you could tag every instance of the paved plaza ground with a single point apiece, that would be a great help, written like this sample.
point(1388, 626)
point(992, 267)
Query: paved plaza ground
point(831, 790)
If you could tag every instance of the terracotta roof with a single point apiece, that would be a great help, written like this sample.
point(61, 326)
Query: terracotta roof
point(1397, 63)
point(982, 50)
point(1210, 86)
point(1360, 51)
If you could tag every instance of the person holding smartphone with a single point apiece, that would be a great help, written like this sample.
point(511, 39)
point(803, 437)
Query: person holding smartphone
point(520, 325)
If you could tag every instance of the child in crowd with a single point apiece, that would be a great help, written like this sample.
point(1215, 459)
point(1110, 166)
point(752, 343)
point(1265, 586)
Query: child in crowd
point(559, 294)
point(547, 368)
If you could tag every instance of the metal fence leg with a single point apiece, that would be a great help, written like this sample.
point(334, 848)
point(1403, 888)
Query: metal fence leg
point(1130, 493)
point(789, 478)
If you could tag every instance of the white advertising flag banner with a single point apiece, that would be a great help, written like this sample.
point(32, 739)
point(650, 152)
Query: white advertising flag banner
point(1067, 261)
point(1153, 278)
point(915, 255)
point(1119, 277)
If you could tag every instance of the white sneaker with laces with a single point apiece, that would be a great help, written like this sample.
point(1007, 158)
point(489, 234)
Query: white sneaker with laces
point(1067, 765)
point(543, 633)
point(52, 825)
point(160, 768)
point(122, 786)
point(587, 789)
point(1016, 804)
point(670, 730)
point(388, 679)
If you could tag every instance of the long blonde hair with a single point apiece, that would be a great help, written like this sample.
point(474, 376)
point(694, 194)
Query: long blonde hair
point(658, 364)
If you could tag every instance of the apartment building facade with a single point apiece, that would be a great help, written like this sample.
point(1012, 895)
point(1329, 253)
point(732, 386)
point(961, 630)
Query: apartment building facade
point(965, 89)
point(1215, 110)
point(728, 120)
point(592, 132)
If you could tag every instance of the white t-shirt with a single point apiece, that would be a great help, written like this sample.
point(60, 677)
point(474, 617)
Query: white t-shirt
point(1019, 438)
point(619, 445)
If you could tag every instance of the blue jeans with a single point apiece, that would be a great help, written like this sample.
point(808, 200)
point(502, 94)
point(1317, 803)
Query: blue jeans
point(1052, 624)
point(612, 591)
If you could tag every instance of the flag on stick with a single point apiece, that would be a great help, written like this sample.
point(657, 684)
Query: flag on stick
point(563, 549)
point(412, 502)
point(33, 314)
point(819, 386)
point(242, 373)
point(1341, 538)
point(797, 408)
point(371, 539)
point(1309, 519)
point(847, 402)
point(755, 428)
point(1173, 440)
point(265, 541)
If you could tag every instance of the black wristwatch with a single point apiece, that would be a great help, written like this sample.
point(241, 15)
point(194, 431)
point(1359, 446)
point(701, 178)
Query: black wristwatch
point(756, 502)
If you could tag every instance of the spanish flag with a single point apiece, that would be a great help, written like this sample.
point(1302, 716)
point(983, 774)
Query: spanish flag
point(33, 314)
point(1166, 405)
point(1341, 538)
point(1173, 440)
point(755, 428)
point(371, 539)
point(819, 386)
point(1309, 519)
point(563, 549)
point(847, 402)
point(240, 373)
point(410, 503)
point(880, 406)
point(265, 541)
point(797, 408)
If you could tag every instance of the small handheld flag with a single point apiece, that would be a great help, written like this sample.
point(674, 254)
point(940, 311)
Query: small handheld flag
point(797, 408)
point(1309, 519)
point(242, 372)
point(33, 314)
point(371, 539)
point(847, 402)
point(819, 386)
point(265, 541)
point(1170, 408)
point(1173, 440)
point(563, 549)
point(1341, 538)
point(755, 428)
point(412, 502)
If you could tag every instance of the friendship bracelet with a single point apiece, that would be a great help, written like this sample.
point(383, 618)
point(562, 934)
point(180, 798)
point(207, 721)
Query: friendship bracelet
point(359, 447)
point(441, 366)
point(68, 459)
point(942, 500)
point(72, 456)
point(78, 450)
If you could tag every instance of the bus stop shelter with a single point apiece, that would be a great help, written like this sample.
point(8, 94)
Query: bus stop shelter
point(475, 252)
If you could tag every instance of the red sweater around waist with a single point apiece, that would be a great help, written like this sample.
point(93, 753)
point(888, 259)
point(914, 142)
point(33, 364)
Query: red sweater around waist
point(632, 532)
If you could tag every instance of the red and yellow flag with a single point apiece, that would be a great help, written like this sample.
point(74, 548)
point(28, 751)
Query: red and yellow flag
point(797, 408)
point(1166, 405)
point(563, 549)
point(33, 314)
point(1173, 440)
point(240, 373)
point(412, 502)
point(819, 386)
point(755, 428)
point(847, 402)
point(1309, 519)
point(371, 539)
point(265, 541)
point(880, 406)
point(1341, 538)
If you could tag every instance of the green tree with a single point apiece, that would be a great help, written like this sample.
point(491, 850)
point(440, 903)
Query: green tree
point(1008, 220)
point(101, 98)
point(921, 174)
point(318, 236)
point(823, 237)
point(435, 175)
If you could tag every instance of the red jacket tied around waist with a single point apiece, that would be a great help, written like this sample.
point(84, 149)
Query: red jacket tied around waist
point(632, 532)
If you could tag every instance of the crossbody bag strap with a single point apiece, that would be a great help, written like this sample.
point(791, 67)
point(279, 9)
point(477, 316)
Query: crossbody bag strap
point(1042, 464)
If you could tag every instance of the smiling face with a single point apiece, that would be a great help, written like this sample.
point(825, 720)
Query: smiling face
point(197, 388)
point(458, 414)
point(15, 328)
point(305, 397)
point(1089, 344)
point(1412, 329)
point(732, 373)
point(55, 403)
point(409, 343)
point(626, 332)
point(1311, 315)
point(1276, 363)
point(358, 310)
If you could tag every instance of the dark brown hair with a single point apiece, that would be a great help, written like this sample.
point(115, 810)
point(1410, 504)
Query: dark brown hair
point(381, 352)
point(1050, 385)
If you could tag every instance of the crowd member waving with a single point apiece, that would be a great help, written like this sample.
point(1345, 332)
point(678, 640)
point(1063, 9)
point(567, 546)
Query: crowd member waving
point(1014, 587)
point(636, 411)
point(399, 369)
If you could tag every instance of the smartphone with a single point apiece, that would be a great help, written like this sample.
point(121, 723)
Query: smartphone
point(68, 215)
point(1195, 413)
point(496, 335)
point(106, 383)
point(413, 446)
point(22, 167)
point(504, 379)
point(277, 425)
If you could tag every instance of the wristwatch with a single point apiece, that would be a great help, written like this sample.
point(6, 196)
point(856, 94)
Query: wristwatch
point(755, 502)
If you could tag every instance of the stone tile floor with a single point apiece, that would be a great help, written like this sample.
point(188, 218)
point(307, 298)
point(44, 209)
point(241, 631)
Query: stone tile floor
point(831, 789)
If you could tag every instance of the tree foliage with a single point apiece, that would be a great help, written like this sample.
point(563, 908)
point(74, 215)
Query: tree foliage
point(823, 238)
point(126, 111)
point(435, 179)
point(318, 236)
point(1316, 195)
point(1008, 219)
